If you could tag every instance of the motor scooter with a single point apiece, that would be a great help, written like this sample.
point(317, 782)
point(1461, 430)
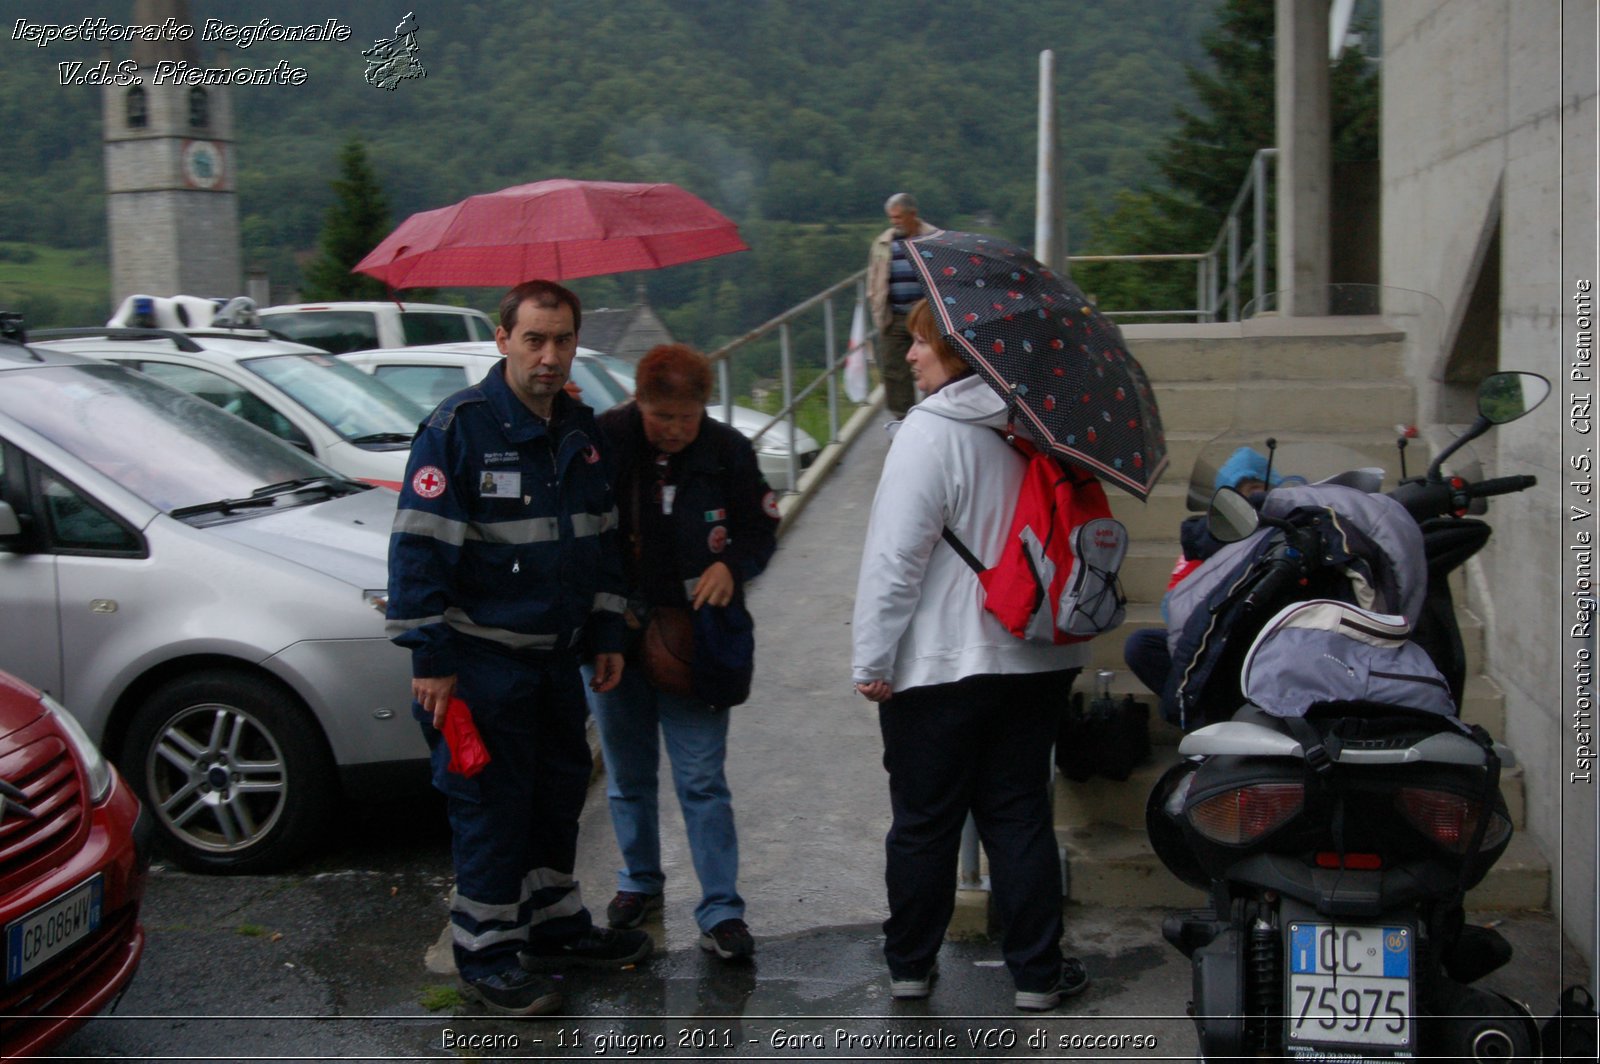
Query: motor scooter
point(1338, 810)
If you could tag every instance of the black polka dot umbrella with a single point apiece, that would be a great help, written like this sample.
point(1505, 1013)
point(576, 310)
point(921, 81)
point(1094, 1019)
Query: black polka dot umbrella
point(1062, 365)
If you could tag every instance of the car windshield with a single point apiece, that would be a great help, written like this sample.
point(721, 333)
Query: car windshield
point(348, 401)
point(163, 445)
point(600, 389)
point(441, 327)
point(332, 330)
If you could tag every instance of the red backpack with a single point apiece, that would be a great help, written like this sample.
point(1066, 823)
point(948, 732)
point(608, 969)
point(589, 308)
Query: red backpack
point(1056, 580)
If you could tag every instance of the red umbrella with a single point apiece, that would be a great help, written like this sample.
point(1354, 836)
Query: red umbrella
point(557, 230)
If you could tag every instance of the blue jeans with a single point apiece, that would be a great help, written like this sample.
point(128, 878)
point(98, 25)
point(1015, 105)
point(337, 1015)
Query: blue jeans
point(633, 718)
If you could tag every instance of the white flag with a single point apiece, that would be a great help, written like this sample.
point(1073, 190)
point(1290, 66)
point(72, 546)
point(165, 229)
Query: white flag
point(855, 359)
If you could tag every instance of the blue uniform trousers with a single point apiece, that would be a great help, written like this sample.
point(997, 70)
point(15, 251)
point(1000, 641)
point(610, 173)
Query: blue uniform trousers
point(514, 825)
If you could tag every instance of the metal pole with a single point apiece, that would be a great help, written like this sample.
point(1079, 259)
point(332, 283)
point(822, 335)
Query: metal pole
point(725, 382)
point(1259, 237)
point(1200, 290)
point(967, 877)
point(831, 345)
point(1233, 267)
point(788, 399)
point(1214, 299)
point(1046, 224)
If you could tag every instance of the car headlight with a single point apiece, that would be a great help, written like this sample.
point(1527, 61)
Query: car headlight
point(95, 765)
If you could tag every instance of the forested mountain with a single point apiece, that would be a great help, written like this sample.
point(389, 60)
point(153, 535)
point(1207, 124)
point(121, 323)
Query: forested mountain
point(795, 117)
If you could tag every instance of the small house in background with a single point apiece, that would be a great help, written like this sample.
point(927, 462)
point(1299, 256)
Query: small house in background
point(625, 333)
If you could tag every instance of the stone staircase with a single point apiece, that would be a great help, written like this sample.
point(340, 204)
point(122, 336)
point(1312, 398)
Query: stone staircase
point(1335, 380)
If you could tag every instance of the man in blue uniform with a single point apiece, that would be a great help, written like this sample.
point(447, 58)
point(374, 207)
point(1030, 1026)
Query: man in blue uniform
point(505, 568)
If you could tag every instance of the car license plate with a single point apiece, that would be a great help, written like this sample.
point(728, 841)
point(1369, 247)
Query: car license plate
point(53, 928)
point(1350, 986)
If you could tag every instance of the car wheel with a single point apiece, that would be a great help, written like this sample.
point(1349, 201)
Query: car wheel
point(233, 769)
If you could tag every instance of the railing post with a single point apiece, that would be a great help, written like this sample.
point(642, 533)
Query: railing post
point(1200, 290)
point(968, 876)
point(1259, 239)
point(1233, 267)
point(832, 350)
point(1214, 298)
point(788, 402)
point(725, 381)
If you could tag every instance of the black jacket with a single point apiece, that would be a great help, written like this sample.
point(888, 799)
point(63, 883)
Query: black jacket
point(722, 508)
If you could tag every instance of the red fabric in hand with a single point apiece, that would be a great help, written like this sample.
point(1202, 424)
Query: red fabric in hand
point(468, 755)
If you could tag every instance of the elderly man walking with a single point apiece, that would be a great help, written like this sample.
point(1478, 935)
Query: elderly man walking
point(892, 287)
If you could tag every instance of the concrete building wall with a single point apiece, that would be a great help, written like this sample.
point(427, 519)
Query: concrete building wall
point(1489, 111)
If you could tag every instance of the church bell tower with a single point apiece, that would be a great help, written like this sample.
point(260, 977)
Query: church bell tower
point(172, 213)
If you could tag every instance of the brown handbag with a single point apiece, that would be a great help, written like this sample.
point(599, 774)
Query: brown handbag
point(668, 650)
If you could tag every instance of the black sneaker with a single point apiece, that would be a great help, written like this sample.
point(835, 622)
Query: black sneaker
point(514, 992)
point(629, 908)
point(728, 940)
point(1074, 980)
point(598, 947)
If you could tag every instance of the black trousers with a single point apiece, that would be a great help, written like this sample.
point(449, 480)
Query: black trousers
point(982, 745)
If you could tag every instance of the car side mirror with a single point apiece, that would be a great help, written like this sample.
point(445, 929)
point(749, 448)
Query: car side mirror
point(10, 526)
point(1231, 517)
point(1504, 397)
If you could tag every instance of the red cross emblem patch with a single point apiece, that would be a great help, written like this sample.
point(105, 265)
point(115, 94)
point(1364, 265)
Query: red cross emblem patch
point(428, 482)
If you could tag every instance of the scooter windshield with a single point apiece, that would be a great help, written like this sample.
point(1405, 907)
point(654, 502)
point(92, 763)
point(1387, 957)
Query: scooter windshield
point(1317, 391)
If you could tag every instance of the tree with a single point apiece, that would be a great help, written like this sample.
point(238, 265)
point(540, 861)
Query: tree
point(1206, 158)
point(356, 223)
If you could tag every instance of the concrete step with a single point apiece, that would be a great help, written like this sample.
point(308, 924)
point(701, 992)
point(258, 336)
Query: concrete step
point(1227, 351)
point(1287, 408)
point(1483, 703)
point(1115, 867)
point(1147, 568)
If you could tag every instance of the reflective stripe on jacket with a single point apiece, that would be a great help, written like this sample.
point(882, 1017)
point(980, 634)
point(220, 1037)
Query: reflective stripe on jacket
point(506, 532)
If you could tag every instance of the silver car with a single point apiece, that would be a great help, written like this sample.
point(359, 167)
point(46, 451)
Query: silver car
point(428, 374)
point(207, 598)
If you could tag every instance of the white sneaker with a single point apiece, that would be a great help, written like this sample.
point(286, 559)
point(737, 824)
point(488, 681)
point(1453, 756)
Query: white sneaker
point(911, 989)
point(1073, 981)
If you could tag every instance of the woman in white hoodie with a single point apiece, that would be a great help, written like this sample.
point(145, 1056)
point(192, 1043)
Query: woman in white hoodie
point(968, 711)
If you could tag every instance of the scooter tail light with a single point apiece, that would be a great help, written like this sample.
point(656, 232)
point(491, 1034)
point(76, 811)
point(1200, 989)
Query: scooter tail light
point(1450, 820)
point(1245, 814)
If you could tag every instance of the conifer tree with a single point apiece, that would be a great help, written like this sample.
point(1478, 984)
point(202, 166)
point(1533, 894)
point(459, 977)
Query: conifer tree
point(357, 222)
point(1207, 158)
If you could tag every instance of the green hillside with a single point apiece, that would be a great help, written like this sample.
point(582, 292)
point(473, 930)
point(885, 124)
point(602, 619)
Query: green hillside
point(795, 117)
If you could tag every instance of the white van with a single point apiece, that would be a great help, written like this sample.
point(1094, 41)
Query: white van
point(363, 326)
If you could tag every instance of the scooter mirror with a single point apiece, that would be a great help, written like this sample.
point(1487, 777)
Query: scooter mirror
point(1504, 397)
point(1231, 517)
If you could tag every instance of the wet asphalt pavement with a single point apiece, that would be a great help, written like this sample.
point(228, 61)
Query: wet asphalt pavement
point(340, 958)
point(331, 962)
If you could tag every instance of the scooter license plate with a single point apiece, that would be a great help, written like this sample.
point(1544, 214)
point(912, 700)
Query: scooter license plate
point(1349, 986)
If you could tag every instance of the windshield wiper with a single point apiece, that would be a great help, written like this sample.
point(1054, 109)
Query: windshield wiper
point(268, 495)
point(382, 437)
point(287, 487)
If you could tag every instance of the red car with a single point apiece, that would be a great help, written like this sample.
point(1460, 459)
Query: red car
point(74, 851)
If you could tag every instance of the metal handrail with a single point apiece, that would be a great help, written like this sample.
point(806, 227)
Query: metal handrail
point(722, 358)
point(1225, 251)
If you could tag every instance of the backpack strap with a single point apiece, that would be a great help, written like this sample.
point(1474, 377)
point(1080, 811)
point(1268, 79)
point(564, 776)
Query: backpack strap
point(961, 549)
